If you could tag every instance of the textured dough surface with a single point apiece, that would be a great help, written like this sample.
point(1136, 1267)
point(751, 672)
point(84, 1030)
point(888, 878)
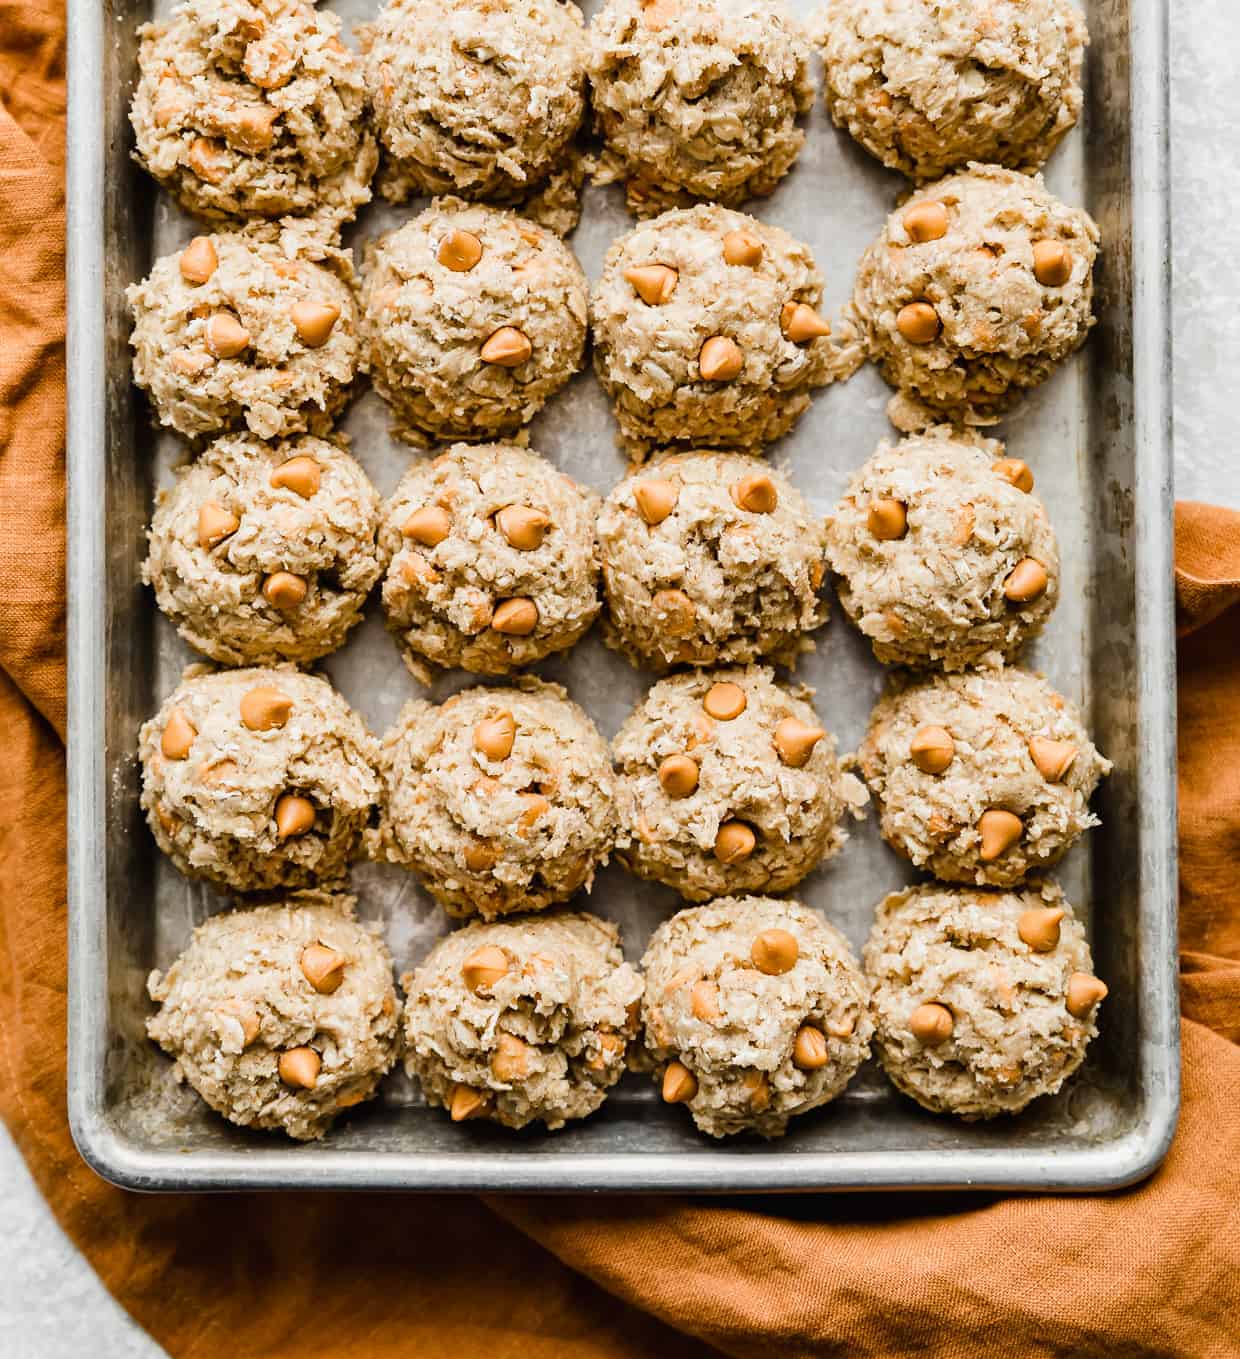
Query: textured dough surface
point(647, 355)
point(242, 971)
point(751, 578)
point(278, 385)
point(556, 1024)
point(794, 813)
point(440, 601)
point(1012, 1037)
point(927, 87)
point(698, 98)
point(742, 1056)
point(213, 812)
point(426, 324)
point(935, 596)
point(1001, 332)
point(932, 819)
point(535, 824)
point(213, 593)
point(253, 108)
point(480, 98)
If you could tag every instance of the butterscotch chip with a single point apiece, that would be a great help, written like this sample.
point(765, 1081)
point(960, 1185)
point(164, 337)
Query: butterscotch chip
point(932, 749)
point(653, 283)
point(678, 776)
point(466, 1103)
point(459, 250)
point(734, 842)
point(801, 323)
point(1015, 471)
point(887, 519)
point(294, 815)
point(999, 831)
point(655, 498)
point(314, 321)
point(301, 474)
point(522, 526)
point(756, 493)
point(774, 952)
point(704, 1000)
point(725, 701)
point(926, 221)
point(198, 260)
point(429, 525)
point(809, 1050)
point(507, 347)
point(1084, 994)
point(225, 336)
point(1053, 758)
point(284, 590)
point(484, 967)
point(1027, 581)
point(918, 322)
point(178, 736)
point(1039, 927)
point(494, 736)
point(720, 359)
point(743, 248)
point(323, 967)
point(265, 708)
point(795, 741)
point(1052, 263)
point(518, 617)
point(679, 1084)
point(299, 1068)
point(931, 1024)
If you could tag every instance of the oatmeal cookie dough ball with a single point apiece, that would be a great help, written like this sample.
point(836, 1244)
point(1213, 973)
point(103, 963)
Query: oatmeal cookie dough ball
point(754, 1012)
point(706, 333)
point(522, 1021)
point(258, 779)
point(976, 289)
point(478, 99)
point(500, 800)
point(698, 98)
point(729, 783)
point(236, 331)
point(981, 1000)
point(710, 558)
point(926, 88)
point(282, 1016)
point(265, 552)
point(491, 560)
point(980, 777)
point(943, 555)
point(253, 108)
point(474, 319)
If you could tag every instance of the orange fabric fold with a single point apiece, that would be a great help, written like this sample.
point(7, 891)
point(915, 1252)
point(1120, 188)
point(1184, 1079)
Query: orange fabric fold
point(1151, 1271)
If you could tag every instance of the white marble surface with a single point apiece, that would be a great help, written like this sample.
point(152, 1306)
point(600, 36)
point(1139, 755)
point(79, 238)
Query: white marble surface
point(51, 1305)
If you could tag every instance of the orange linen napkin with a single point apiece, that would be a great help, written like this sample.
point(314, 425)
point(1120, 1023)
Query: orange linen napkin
point(1153, 1271)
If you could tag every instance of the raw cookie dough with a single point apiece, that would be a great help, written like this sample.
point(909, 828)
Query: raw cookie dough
point(474, 319)
point(980, 777)
point(942, 553)
point(282, 1016)
point(258, 779)
point(522, 1021)
point(500, 799)
point(480, 99)
point(981, 1000)
point(929, 87)
point(265, 552)
point(705, 331)
point(710, 558)
point(976, 289)
point(698, 98)
point(491, 560)
point(728, 783)
point(237, 330)
point(253, 108)
point(755, 1011)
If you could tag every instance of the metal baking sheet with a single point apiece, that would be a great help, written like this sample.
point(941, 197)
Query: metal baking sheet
point(1097, 436)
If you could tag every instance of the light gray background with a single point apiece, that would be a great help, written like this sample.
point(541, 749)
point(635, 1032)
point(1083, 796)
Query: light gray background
point(51, 1305)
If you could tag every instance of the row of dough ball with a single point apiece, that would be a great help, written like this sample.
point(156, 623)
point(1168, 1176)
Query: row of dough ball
point(256, 109)
point(508, 799)
point(749, 1011)
point(705, 321)
point(490, 559)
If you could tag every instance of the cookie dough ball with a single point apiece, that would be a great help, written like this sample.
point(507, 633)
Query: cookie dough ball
point(491, 560)
point(755, 1011)
point(980, 777)
point(698, 98)
point(928, 88)
point(523, 1021)
point(474, 319)
point(263, 552)
point(253, 108)
point(944, 556)
point(258, 779)
point(982, 1001)
point(710, 558)
point(232, 332)
point(729, 783)
point(477, 98)
point(706, 333)
point(501, 800)
point(977, 288)
point(282, 1016)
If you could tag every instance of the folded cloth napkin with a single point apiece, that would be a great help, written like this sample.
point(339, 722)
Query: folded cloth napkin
point(1152, 1271)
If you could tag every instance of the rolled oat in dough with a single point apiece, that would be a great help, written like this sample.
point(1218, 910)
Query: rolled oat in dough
point(523, 1020)
point(258, 779)
point(942, 557)
point(970, 1017)
point(265, 552)
point(710, 558)
point(755, 1011)
point(282, 1016)
point(499, 799)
